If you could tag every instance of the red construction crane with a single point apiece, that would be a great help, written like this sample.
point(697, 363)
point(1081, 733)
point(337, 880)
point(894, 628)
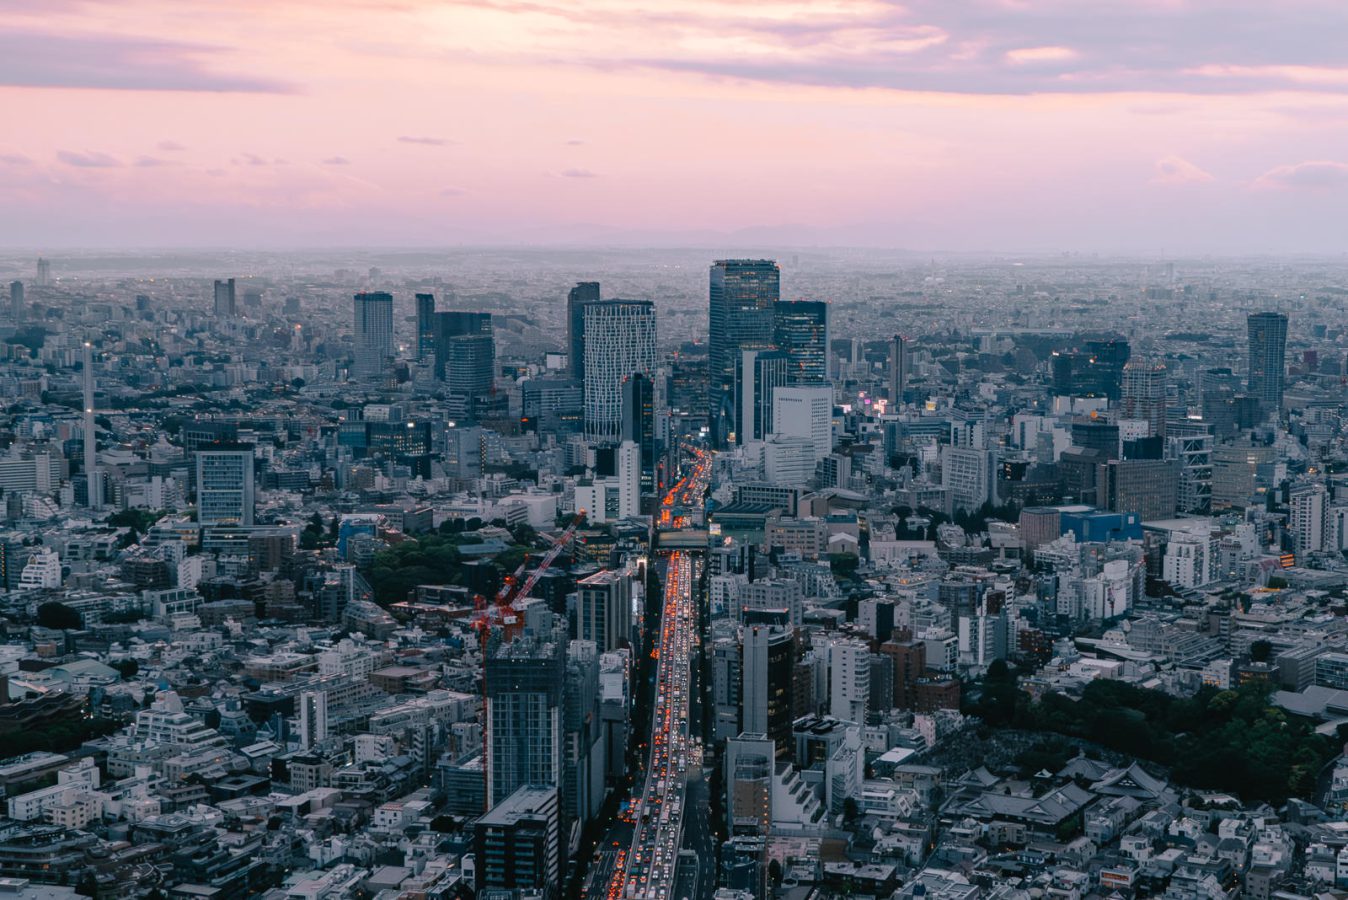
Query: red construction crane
point(501, 611)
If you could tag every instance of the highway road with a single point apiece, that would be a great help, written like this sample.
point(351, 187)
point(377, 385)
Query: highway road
point(650, 866)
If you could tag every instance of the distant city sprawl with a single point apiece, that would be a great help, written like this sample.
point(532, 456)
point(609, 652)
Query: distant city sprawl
point(669, 574)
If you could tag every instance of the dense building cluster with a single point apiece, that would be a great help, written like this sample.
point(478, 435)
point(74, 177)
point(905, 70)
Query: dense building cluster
point(846, 575)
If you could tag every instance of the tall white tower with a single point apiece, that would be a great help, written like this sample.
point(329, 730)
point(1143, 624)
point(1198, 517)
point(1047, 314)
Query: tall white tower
point(90, 441)
point(619, 341)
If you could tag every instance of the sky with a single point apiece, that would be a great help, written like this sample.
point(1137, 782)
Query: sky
point(1137, 126)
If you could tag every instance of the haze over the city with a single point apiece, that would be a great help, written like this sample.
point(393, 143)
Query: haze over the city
point(1136, 126)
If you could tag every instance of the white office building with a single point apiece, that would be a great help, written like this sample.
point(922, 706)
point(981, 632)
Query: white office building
point(788, 460)
point(619, 341)
point(225, 486)
point(849, 680)
point(806, 412)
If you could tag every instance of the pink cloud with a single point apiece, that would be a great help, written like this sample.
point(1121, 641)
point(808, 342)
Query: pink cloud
point(1178, 170)
point(1022, 56)
point(1311, 175)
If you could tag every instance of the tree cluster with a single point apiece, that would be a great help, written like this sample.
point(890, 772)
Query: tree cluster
point(1229, 740)
point(433, 559)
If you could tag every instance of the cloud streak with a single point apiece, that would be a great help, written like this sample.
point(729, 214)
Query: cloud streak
point(1311, 175)
point(972, 47)
point(88, 160)
point(50, 60)
point(424, 141)
point(1172, 170)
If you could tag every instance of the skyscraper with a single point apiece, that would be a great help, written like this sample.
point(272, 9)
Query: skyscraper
point(224, 298)
point(16, 304)
point(1217, 389)
point(800, 330)
point(43, 272)
point(1267, 367)
point(741, 297)
point(619, 341)
point(452, 324)
point(470, 365)
point(525, 681)
point(768, 656)
point(425, 327)
point(373, 334)
point(638, 424)
point(899, 364)
point(760, 372)
point(604, 610)
point(1144, 394)
point(225, 485)
point(94, 497)
point(582, 735)
point(584, 292)
point(1106, 361)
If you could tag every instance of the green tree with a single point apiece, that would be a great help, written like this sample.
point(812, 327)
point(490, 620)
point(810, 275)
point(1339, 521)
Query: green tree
point(843, 565)
point(1260, 651)
point(431, 559)
point(56, 615)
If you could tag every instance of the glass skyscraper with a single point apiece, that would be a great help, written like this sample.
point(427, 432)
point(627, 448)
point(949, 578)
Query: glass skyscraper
point(741, 297)
point(800, 329)
point(759, 373)
point(465, 351)
point(1268, 348)
point(584, 292)
point(425, 327)
point(373, 334)
point(525, 681)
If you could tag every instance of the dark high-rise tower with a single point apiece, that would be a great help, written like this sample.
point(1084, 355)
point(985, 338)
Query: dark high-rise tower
point(584, 292)
point(741, 297)
point(1106, 360)
point(16, 303)
point(470, 365)
point(425, 327)
point(1268, 347)
point(800, 329)
point(449, 326)
point(224, 298)
point(638, 425)
point(899, 365)
point(373, 332)
point(525, 681)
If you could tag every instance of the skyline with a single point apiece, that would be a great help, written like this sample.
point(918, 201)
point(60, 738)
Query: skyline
point(1015, 126)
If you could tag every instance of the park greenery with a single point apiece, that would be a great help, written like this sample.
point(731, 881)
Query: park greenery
point(58, 617)
point(1234, 740)
point(432, 559)
point(58, 737)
